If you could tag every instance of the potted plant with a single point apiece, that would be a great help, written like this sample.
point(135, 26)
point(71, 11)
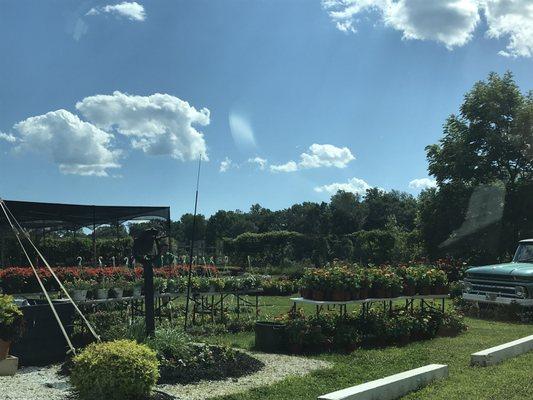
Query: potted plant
point(379, 283)
point(440, 282)
point(118, 287)
point(216, 284)
point(11, 324)
point(138, 285)
point(425, 282)
point(102, 289)
point(410, 280)
point(78, 289)
point(160, 284)
point(366, 283)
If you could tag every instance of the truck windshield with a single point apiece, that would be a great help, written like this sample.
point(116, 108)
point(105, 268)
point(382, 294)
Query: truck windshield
point(524, 253)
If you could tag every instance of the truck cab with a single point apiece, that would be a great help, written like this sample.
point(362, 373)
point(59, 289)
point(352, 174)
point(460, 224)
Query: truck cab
point(503, 283)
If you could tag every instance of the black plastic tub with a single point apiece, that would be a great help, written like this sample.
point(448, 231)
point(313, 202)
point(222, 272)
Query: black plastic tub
point(43, 342)
point(270, 337)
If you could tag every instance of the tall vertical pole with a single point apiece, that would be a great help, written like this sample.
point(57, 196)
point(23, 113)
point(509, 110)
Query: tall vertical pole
point(149, 316)
point(191, 253)
point(94, 236)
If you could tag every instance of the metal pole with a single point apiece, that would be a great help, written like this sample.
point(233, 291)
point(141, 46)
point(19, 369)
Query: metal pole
point(94, 236)
point(191, 253)
point(149, 316)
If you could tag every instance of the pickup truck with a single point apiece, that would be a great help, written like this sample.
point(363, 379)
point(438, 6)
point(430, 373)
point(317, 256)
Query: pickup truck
point(503, 283)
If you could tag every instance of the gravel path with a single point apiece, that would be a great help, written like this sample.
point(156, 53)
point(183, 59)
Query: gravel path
point(43, 383)
point(34, 383)
point(277, 367)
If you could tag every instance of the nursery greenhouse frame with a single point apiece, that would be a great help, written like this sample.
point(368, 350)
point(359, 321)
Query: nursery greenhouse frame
point(58, 216)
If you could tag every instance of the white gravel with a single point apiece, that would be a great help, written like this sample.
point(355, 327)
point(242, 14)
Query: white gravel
point(35, 383)
point(44, 383)
point(277, 367)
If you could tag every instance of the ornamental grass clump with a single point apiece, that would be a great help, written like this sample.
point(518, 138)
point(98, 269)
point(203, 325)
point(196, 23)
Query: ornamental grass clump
point(119, 370)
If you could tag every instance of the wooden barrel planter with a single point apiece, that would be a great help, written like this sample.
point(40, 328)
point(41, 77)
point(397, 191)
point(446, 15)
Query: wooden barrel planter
point(270, 337)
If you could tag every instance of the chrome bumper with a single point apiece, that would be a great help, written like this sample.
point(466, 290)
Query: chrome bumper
point(481, 298)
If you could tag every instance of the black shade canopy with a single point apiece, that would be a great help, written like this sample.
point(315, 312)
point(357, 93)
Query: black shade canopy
point(55, 216)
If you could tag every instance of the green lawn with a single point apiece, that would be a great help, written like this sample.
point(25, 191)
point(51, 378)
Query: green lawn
point(510, 380)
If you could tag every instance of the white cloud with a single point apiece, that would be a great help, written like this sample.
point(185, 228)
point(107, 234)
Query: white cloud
point(450, 22)
point(512, 18)
point(7, 137)
point(326, 155)
point(159, 124)
point(130, 10)
point(78, 147)
point(225, 165)
point(290, 166)
point(261, 162)
point(354, 185)
point(423, 183)
point(318, 155)
point(241, 131)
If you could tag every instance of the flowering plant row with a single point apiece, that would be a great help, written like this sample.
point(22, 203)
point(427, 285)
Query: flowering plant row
point(22, 280)
point(349, 282)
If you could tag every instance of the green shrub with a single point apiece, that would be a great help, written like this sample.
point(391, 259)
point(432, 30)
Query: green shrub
point(119, 370)
point(11, 319)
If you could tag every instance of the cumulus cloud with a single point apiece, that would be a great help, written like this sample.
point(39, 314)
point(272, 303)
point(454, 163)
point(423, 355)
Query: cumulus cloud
point(7, 137)
point(241, 131)
point(318, 155)
point(159, 124)
point(129, 10)
point(512, 18)
point(326, 155)
point(78, 147)
point(225, 165)
point(260, 162)
point(423, 183)
point(450, 22)
point(354, 185)
point(290, 166)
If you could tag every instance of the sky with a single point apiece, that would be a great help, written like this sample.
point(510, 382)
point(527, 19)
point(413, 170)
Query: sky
point(285, 101)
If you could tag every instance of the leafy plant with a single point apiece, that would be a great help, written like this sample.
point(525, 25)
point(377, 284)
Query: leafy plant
point(116, 370)
point(11, 319)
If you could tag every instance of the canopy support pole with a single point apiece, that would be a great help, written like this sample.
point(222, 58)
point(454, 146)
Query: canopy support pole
point(94, 237)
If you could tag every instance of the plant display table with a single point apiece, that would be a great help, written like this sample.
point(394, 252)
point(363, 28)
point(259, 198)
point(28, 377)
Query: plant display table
point(425, 301)
point(212, 303)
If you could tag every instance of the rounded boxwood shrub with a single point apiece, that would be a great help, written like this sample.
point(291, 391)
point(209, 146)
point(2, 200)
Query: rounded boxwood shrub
point(119, 370)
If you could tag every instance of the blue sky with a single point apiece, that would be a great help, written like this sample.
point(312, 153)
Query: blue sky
point(371, 79)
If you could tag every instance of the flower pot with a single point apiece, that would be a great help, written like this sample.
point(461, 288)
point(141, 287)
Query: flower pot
point(379, 293)
point(395, 292)
point(363, 293)
point(318, 295)
point(102, 294)
point(137, 292)
point(118, 292)
point(425, 290)
point(79, 294)
point(305, 293)
point(4, 349)
point(337, 295)
point(409, 290)
point(354, 294)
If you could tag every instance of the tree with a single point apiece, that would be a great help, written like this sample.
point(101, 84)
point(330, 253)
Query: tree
point(491, 139)
point(346, 212)
point(490, 142)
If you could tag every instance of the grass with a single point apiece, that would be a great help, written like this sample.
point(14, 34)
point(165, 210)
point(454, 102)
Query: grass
point(510, 380)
